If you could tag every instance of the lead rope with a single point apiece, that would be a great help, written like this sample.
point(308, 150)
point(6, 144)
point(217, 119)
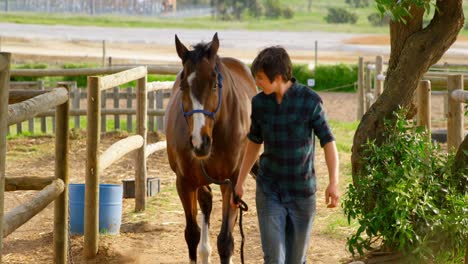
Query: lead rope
point(242, 205)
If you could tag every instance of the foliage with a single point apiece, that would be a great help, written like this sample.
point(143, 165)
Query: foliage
point(81, 81)
point(378, 20)
point(28, 66)
point(331, 77)
point(340, 15)
point(406, 197)
point(288, 13)
point(358, 3)
point(400, 9)
point(273, 9)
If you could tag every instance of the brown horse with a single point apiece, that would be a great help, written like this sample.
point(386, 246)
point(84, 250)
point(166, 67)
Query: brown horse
point(207, 120)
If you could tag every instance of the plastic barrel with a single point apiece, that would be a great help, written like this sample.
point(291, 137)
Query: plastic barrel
point(110, 208)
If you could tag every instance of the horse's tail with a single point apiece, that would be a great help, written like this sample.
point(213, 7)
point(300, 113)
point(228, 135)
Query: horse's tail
point(255, 168)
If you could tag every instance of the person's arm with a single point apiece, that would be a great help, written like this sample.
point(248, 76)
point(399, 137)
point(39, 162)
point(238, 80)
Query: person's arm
point(250, 156)
point(331, 157)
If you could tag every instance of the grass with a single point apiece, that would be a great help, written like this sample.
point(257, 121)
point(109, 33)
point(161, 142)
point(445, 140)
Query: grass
point(303, 20)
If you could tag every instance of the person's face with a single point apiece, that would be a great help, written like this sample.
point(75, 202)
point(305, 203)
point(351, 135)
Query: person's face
point(262, 81)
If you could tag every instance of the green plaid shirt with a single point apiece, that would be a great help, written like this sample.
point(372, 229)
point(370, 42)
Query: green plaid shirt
point(287, 131)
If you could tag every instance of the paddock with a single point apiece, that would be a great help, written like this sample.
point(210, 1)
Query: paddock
point(155, 232)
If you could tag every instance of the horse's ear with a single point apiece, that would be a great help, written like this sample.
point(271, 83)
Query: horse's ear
point(214, 45)
point(181, 49)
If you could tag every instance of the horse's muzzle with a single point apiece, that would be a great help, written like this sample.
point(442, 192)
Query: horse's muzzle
point(203, 151)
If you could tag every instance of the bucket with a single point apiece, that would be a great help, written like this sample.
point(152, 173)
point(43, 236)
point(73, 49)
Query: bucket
point(110, 208)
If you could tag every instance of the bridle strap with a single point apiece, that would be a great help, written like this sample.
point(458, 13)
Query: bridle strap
point(220, 97)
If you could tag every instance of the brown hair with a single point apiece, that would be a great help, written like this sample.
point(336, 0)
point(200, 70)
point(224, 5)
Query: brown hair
point(273, 61)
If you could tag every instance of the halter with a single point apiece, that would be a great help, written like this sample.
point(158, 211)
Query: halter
point(219, 84)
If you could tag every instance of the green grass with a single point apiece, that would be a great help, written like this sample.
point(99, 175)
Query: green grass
point(303, 20)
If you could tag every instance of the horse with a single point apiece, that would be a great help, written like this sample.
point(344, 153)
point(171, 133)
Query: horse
point(207, 121)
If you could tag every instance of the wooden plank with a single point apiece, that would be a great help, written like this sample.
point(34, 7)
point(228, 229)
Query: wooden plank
point(424, 104)
point(455, 126)
point(91, 214)
point(30, 108)
point(118, 150)
point(27, 183)
point(378, 83)
point(151, 105)
point(17, 96)
point(116, 105)
point(152, 148)
point(152, 69)
point(361, 98)
point(22, 213)
point(160, 105)
point(62, 172)
point(140, 162)
point(103, 116)
point(76, 104)
point(131, 112)
point(5, 60)
point(159, 85)
point(119, 78)
point(129, 106)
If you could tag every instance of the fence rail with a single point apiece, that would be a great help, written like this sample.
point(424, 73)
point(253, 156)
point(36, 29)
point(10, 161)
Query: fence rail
point(122, 102)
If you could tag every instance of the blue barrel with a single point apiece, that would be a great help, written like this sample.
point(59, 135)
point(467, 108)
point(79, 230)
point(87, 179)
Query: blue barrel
point(110, 208)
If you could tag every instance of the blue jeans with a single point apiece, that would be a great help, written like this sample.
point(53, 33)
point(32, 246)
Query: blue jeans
point(285, 227)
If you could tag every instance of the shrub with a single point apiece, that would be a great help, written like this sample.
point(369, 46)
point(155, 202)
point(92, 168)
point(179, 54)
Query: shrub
point(273, 9)
point(288, 13)
point(340, 15)
point(339, 78)
point(377, 20)
point(28, 66)
point(406, 197)
point(358, 3)
point(81, 81)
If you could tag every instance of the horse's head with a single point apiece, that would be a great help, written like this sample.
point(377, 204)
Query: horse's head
point(201, 86)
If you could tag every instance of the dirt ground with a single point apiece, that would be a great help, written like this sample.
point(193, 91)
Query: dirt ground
point(156, 235)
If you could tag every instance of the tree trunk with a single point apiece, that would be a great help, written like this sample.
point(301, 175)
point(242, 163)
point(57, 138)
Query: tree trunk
point(413, 50)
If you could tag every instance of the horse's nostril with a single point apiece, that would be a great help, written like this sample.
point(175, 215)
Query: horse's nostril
point(206, 141)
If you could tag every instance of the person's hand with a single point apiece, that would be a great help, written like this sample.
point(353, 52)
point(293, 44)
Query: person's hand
point(239, 191)
point(332, 196)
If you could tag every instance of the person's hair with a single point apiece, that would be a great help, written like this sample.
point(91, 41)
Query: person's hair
point(273, 61)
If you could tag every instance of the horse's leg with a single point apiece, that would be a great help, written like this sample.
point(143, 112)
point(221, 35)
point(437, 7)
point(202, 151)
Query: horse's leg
point(225, 239)
point(205, 199)
point(188, 197)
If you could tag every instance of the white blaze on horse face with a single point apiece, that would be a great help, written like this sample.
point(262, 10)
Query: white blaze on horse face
point(198, 122)
point(190, 78)
point(204, 247)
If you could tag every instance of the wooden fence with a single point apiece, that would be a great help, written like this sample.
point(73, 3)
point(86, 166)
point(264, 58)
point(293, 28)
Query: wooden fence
point(454, 99)
point(96, 163)
point(51, 189)
point(122, 101)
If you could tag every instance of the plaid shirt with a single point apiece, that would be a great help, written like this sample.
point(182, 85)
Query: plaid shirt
point(287, 131)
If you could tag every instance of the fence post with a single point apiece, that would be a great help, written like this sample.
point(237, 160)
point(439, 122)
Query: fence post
point(361, 98)
point(424, 104)
point(62, 172)
point(91, 214)
point(455, 128)
point(151, 106)
point(368, 84)
point(116, 93)
point(76, 103)
point(140, 164)
point(5, 59)
point(43, 119)
point(129, 106)
point(103, 106)
point(378, 87)
point(160, 105)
